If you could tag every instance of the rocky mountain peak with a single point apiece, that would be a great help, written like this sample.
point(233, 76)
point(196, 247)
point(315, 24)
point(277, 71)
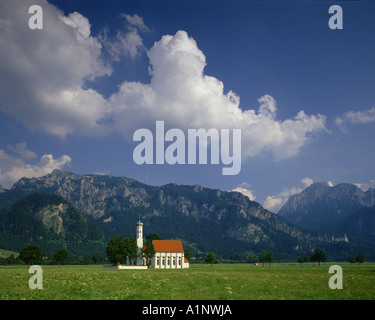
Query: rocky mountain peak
point(320, 204)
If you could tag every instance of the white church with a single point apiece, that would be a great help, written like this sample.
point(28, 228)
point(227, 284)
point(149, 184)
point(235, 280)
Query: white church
point(169, 254)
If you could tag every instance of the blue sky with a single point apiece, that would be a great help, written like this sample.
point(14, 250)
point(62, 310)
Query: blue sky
point(73, 93)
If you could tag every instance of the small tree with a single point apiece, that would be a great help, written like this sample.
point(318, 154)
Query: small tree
point(131, 249)
point(303, 259)
point(252, 258)
point(148, 251)
point(265, 256)
point(31, 254)
point(60, 256)
point(269, 258)
point(300, 261)
point(116, 250)
point(210, 258)
point(187, 254)
point(318, 256)
point(360, 258)
point(351, 260)
point(153, 236)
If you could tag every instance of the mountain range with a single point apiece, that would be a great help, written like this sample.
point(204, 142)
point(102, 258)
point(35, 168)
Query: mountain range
point(343, 208)
point(227, 223)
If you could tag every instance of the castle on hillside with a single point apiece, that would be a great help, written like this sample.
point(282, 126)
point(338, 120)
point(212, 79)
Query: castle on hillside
point(339, 239)
point(169, 253)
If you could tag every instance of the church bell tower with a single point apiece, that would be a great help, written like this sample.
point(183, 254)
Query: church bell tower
point(139, 233)
point(139, 238)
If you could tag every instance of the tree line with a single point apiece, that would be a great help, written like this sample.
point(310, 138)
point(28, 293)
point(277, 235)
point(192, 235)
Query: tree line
point(121, 250)
point(319, 256)
point(32, 254)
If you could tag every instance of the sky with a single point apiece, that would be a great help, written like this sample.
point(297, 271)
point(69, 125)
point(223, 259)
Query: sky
point(79, 79)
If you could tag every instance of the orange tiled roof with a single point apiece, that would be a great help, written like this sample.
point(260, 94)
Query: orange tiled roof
point(186, 260)
point(168, 246)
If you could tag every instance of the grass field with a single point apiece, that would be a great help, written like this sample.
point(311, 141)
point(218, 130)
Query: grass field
point(200, 282)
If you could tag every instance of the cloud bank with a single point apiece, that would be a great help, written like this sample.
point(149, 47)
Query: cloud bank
point(43, 85)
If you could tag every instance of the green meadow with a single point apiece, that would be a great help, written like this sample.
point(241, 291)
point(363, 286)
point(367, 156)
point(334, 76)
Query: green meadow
point(200, 282)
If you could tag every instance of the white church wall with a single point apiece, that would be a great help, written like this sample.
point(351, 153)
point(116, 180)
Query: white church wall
point(168, 260)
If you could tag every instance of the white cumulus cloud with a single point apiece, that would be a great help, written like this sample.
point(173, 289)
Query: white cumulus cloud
point(13, 168)
point(184, 97)
point(273, 203)
point(43, 71)
point(244, 189)
point(306, 182)
point(43, 76)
